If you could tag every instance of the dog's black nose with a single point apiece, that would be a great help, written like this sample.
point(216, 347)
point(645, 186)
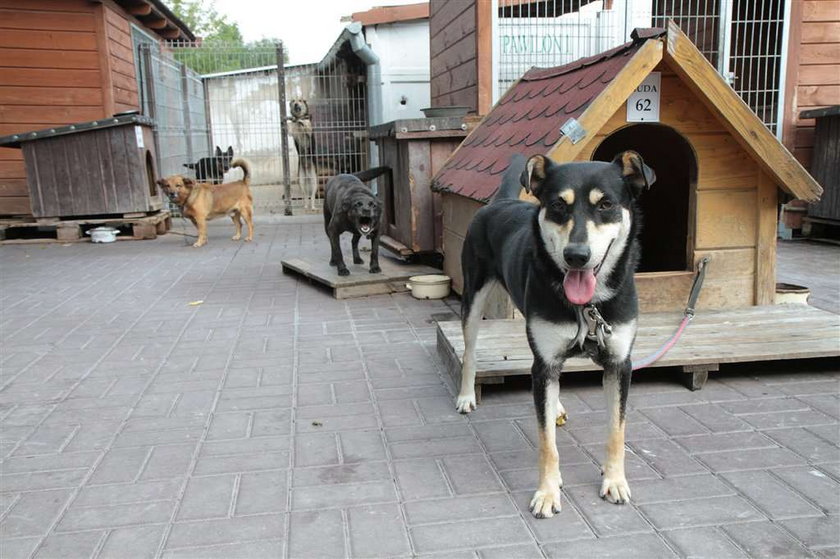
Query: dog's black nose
point(576, 255)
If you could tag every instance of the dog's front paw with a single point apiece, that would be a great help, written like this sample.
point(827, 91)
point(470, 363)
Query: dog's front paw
point(615, 489)
point(198, 244)
point(343, 272)
point(236, 237)
point(546, 503)
point(465, 403)
point(562, 416)
point(375, 269)
point(358, 260)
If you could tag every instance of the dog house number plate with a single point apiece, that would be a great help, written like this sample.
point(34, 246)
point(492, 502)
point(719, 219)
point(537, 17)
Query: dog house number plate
point(643, 103)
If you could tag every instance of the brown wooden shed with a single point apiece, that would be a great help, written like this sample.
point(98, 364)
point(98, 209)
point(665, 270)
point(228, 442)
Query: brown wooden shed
point(67, 61)
point(718, 165)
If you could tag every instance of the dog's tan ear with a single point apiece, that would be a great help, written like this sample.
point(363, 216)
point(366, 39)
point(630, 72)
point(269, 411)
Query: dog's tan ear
point(161, 182)
point(636, 174)
point(534, 174)
point(189, 182)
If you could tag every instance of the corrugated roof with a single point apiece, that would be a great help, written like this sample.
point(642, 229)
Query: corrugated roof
point(527, 119)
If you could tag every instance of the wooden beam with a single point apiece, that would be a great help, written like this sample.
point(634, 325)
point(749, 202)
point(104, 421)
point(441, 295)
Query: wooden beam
point(610, 100)
point(142, 9)
point(701, 77)
point(156, 21)
point(484, 55)
point(170, 33)
point(765, 252)
point(392, 14)
point(789, 116)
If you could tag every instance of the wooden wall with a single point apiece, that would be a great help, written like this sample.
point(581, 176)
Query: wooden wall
point(460, 50)
point(121, 60)
point(61, 61)
point(813, 78)
point(452, 53)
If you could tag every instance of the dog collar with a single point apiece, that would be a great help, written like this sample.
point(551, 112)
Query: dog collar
point(592, 327)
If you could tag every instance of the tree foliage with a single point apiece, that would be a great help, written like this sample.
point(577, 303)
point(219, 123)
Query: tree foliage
point(220, 47)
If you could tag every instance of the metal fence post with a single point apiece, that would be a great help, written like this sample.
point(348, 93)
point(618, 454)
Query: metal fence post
point(284, 138)
point(185, 106)
point(149, 87)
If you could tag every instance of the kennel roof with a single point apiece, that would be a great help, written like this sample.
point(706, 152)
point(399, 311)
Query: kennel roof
point(529, 117)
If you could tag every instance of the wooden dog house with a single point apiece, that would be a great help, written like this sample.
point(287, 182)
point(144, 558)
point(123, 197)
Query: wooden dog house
point(718, 171)
point(90, 168)
point(717, 165)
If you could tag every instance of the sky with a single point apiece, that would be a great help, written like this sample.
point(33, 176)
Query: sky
point(308, 28)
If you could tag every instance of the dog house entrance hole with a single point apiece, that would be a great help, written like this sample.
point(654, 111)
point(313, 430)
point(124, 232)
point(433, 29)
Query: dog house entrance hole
point(664, 207)
point(150, 174)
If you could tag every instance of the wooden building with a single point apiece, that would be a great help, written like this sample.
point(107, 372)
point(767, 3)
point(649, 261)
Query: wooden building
point(66, 61)
point(718, 166)
point(813, 76)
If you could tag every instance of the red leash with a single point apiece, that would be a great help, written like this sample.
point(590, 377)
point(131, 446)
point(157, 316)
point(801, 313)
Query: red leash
point(689, 314)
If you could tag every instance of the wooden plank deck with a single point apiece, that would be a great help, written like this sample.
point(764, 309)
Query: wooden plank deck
point(764, 333)
point(360, 282)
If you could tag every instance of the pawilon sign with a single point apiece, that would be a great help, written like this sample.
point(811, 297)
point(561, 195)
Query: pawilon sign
point(643, 104)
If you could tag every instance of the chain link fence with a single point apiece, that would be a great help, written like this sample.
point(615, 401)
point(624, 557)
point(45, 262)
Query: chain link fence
point(205, 96)
point(743, 39)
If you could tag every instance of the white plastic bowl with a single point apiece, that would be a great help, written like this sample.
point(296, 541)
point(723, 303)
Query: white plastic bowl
point(103, 234)
point(433, 286)
point(787, 293)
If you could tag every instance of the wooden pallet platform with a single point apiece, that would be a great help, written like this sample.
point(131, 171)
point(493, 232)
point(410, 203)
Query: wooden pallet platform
point(360, 282)
point(57, 230)
point(764, 333)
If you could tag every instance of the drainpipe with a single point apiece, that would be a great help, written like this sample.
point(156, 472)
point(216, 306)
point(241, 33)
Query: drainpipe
point(374, 81)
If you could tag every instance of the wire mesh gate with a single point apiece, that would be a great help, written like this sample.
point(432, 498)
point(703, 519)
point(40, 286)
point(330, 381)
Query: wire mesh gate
point(211, 97)
point(743, 39)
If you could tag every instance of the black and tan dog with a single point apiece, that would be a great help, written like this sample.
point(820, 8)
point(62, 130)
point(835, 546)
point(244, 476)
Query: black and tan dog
point(212, 169)
point(350, 206)
point(568, 265)
point(300, 126)
point(201, 201)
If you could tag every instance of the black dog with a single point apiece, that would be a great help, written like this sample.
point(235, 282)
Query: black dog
point(350, 206)
point(568, 265)
point(212, 169)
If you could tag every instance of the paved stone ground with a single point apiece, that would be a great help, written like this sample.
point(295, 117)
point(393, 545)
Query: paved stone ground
point(274, 421)
point(816, 266)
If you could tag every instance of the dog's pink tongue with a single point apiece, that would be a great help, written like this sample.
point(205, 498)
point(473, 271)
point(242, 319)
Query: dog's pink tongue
point(579, 286)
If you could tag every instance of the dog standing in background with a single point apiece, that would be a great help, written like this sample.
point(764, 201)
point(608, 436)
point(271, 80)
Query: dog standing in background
point(301, 130)
point(350, 206)
point(202, 201)
point(212, 169)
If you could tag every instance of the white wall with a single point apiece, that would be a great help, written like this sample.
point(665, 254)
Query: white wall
point(244, 114)
point(403, 50)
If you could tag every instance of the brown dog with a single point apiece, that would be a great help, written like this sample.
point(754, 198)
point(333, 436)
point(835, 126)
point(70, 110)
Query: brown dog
point(202, 201)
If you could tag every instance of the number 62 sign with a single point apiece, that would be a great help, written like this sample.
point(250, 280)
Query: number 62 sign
point(643, 103)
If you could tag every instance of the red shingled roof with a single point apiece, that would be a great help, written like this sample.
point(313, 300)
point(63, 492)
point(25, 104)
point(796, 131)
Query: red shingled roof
point(527, 119)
